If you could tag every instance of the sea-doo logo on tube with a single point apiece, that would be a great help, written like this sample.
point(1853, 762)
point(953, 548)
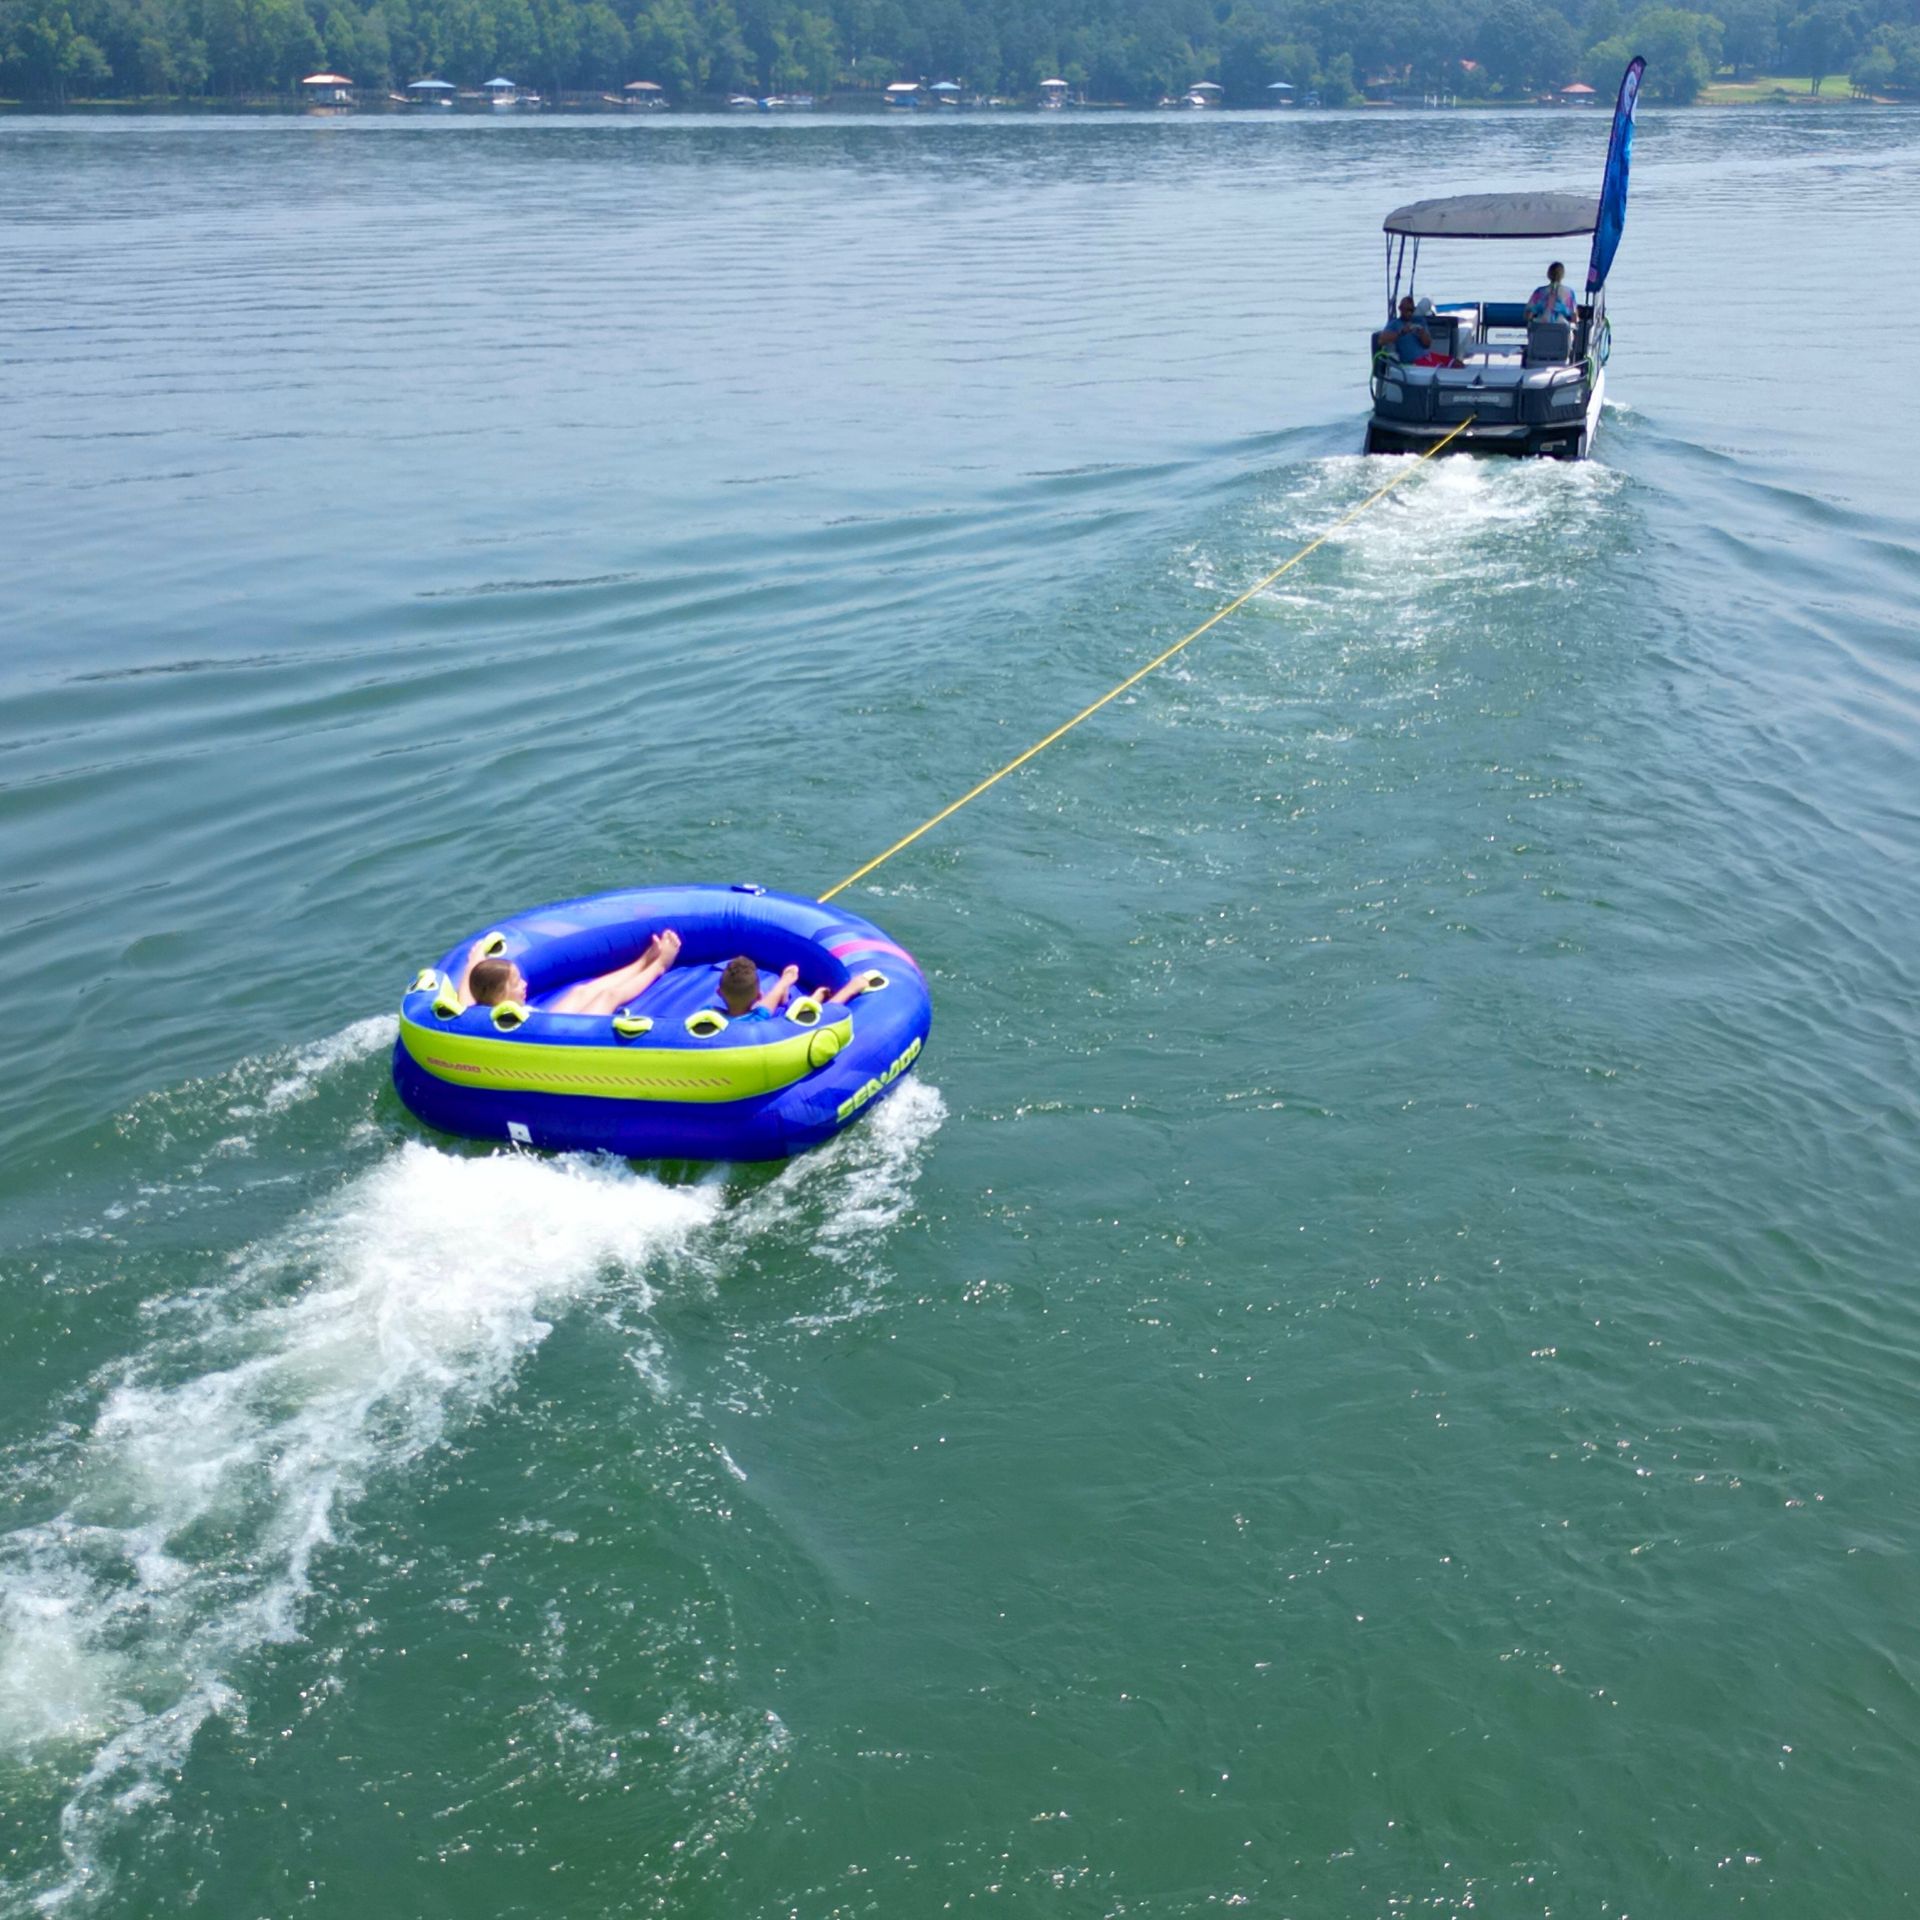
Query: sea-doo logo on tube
point(875, 1087)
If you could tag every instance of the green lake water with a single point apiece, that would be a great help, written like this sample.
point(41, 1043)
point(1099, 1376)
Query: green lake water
point(1371, 1373)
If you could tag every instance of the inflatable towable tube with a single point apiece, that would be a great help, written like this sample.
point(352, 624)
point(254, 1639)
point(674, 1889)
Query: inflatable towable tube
point(669, 1076)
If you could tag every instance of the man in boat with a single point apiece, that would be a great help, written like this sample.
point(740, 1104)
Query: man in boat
point(491, 979)
point(1406, 339)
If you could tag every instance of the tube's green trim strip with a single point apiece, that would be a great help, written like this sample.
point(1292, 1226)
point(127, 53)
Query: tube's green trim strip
point(704, 1074)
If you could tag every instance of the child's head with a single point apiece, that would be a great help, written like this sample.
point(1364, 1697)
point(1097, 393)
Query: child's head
point(493, 980)
point(739, 984)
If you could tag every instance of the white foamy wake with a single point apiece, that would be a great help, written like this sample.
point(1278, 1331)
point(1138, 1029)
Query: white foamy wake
point(1433, 557)
point(239, 1110)
point(296, 1072)
point(224, 1457)
point(872, 1168)
point(845, 1194)
point(1461, 522)
point(1464, 555)
point(183, 1518)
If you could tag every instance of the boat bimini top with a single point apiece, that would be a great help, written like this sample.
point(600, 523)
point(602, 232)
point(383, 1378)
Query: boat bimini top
point(1481, 216)
point(1495, 216)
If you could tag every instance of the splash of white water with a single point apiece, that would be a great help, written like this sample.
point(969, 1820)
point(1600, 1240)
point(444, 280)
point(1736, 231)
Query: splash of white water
point(224, 1458)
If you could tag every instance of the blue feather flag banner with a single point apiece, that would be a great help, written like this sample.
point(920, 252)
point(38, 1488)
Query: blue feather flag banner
point(1612, 219)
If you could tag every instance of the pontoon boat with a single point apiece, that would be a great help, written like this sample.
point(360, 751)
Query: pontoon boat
point(1523, 385)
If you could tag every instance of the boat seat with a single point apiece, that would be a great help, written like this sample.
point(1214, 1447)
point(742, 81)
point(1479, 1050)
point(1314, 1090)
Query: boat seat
point(1549, 343)
point(1484, 370)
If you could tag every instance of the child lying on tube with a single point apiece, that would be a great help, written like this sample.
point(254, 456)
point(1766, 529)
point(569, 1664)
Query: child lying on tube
point(491, 979)
point(741, 996)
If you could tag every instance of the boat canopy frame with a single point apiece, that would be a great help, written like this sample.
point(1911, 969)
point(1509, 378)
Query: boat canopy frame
point(1478, 216)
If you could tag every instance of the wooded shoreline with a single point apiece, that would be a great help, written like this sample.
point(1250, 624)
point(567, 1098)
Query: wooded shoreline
point(1763, 91)
point(227, 55)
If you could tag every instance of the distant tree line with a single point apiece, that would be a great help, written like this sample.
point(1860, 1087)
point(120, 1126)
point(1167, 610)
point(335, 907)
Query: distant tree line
point(1121, 50)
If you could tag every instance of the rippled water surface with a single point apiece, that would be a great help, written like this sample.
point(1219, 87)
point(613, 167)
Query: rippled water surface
point(1372, 1373)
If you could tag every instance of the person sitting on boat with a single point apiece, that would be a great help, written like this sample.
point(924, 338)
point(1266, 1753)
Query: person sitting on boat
point(1436, 355)
point(1405, 338)
point(740, 990)
point(1555, 300)
point(491, 979)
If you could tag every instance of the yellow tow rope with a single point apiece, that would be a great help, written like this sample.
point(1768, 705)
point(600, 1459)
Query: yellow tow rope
point(1133, 679)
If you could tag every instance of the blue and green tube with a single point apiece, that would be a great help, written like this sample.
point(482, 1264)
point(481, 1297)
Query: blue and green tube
point(668, 1077)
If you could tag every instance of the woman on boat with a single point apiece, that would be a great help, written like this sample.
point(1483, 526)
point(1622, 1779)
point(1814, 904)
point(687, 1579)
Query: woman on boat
point(1555, 300)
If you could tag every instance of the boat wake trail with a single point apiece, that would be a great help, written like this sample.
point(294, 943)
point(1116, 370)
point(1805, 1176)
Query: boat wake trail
point(1504, 525)
point(174, 1520)
point(1421, 592)
point(229, 1452)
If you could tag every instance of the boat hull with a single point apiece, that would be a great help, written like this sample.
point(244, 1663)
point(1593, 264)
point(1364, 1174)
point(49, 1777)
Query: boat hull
point(1541, 440)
